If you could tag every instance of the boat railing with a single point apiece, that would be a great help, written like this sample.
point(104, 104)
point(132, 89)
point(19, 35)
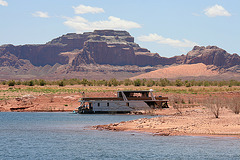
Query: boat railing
point(122, 99)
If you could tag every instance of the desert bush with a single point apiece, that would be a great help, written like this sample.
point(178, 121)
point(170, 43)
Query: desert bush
point(206, 83)
point(113, 82)
point(18, 83)
point(31, 83)
point(25, 83)
point(84, 82)
point(127, 82)
point(42, 82)
point(178, 107)
point(175, 101)
point(221, 83)
point(164, 82)
point(11, 83)
point(150, 83)
point(188, 84)
point(61, 83)
point(137, 82)
point(100, 82)
point(214, 104)
point(234, 104)
point(178, 83)
point(4, 82)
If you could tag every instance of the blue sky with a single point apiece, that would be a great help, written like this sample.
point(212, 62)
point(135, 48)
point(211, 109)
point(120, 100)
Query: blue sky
point(166, 27)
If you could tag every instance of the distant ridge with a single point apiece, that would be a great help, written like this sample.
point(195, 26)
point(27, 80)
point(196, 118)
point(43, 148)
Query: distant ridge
point(101, 53)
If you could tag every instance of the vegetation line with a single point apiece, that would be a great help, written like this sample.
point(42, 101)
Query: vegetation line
point(127, 82)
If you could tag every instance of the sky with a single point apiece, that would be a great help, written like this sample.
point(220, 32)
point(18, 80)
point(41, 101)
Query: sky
point(168, 28)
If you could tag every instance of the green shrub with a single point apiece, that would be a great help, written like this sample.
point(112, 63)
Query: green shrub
point(31, 83)
point(113, 82)
point(150, 83)
point(61, 83)
point(188, 84)
point(137, 82)
point(42, 82)
point(18, 83)
point(11, 83)
point(84, 82)
point(178, 83)
point(206, 83)
point(127, 82)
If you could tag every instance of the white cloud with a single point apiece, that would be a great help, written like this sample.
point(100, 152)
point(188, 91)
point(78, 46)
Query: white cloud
point(81, 9)
point(41, 14)
point(81, 25)
point(168, 41)
point(216, 10)
point(3, 3)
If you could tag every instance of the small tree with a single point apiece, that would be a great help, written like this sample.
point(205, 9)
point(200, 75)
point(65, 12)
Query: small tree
point(127, 82)
point(11, 83)
point(206, 83)
point(188, 84)
point(176, 103)
point(164, 82)
point(31, 83)
point(137, 82)
point(42, 82)
point(178, 83)
point(18, 83)
point(150, 83)
point(4, 82)
point(84, 82)
point(113, 82)
point(61, 83)
point(214, 104)
point(234, 104)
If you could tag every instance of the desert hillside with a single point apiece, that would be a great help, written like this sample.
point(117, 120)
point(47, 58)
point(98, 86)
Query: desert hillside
point(188, 71)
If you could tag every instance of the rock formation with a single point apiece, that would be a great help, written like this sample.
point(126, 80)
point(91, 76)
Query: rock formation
point(108, 50)
point(212, 55)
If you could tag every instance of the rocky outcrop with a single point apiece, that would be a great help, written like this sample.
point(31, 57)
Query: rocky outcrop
point(212, 55)
point(38, 55)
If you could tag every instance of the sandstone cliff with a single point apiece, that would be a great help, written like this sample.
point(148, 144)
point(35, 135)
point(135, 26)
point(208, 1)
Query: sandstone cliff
point(38, 55)
point(212, 55)
point(104, 52)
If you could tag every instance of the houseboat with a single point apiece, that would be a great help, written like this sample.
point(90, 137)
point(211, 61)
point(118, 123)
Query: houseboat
point(125, 102)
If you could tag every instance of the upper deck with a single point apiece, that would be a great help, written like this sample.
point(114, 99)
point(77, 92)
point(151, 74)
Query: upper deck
point(129, 96)
point(133, 93)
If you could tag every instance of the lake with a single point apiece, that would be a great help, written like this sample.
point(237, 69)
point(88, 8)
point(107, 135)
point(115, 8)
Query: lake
point(67, 136)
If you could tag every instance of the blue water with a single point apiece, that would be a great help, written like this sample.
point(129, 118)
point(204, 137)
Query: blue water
point(66, 136)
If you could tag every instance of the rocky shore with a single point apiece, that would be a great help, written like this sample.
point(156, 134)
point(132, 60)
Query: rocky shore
point(197, 121)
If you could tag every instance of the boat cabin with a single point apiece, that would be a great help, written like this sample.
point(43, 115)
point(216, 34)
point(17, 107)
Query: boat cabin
point(125, 102)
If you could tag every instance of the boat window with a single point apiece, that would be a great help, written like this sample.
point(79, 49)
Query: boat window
point(127, 104)
point(107, 104)
point(98, 104)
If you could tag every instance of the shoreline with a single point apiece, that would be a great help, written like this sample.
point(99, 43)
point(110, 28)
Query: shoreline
point(192, 122)
point(38, 111)
point(106, 127)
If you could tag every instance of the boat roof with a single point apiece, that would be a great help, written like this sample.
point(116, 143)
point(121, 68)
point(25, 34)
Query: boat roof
point(143, 91)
